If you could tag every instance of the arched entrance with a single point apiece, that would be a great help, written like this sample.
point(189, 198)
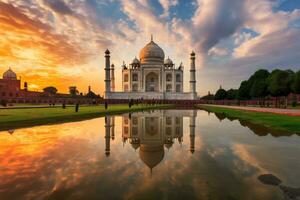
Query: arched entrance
point(152, 82)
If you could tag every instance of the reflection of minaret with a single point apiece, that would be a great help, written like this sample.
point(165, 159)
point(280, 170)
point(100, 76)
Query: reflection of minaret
point(107, 135)
point(112, 130)
point(192, 131)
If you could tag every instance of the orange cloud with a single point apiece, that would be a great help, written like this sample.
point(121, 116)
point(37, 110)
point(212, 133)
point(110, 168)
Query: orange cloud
point(35, 52)
point(30, 39)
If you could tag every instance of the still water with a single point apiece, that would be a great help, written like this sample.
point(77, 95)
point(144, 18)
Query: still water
point(163, 154)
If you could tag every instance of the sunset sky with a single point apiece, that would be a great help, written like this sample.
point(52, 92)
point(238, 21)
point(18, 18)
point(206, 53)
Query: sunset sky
point(62, 42)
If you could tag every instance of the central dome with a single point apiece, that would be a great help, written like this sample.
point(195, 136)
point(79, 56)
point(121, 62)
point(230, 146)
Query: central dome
point(152, 54)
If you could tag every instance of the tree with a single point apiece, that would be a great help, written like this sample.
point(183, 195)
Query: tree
point(50, 90)
point(296, 83)
point(244, 90)
point(260, 74)
point(209, 96)
point(232, 94)
point(279, 82)
point(221, 94)
point(259, 89)
point(3, 102)
point(73, 91)
point(91, 94)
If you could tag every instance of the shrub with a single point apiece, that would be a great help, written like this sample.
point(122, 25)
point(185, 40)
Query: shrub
point(3, 102)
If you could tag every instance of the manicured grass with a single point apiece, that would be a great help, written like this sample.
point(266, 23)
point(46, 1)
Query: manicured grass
point(16, 118)
point(274, 121)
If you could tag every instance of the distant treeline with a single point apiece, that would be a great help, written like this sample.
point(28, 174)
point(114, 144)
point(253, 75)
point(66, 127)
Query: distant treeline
point(262, 84)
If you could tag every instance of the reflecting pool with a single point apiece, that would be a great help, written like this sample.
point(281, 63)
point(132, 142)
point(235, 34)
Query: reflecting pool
point(162, 154)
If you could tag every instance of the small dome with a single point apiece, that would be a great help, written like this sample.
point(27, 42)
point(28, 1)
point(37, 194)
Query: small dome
point(152, 53)
point(10, 74)
point(135, 61)
point(168, 61)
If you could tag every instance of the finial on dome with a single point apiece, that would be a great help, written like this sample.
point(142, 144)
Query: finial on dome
point(151, 38)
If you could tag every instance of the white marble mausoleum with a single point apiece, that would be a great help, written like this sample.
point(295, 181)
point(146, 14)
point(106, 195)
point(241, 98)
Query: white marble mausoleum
point(150, 77)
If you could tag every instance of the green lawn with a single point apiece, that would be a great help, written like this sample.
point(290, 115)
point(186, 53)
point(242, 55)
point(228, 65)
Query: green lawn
point(274, 121)
point(15, 118)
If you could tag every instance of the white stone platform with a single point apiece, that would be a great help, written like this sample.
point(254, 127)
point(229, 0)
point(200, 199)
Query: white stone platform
point(151, 95)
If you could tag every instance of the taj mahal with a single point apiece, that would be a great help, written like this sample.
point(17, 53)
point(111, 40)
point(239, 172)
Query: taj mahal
point(150, 77)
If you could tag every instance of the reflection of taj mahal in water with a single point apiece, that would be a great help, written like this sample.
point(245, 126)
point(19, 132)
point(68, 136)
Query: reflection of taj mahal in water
point(152, 132)
point(150, 76)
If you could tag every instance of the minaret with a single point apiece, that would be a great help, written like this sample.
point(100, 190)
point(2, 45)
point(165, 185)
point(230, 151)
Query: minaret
point(107, 136)
point(192, 131)
point(112, 77)
point(107, 74)
point(25, 86)
point(193, 76)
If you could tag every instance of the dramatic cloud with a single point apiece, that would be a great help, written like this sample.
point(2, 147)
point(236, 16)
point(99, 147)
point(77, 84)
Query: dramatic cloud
point(216, 20)
point(30, 40)
point(59, 6)
point(166, 4)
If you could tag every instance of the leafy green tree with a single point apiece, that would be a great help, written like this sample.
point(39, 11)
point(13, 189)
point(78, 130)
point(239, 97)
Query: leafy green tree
point(279, 82)
point(232, 94)
point(260, 74)
point(296, 83)
point(259, 89)
point(221, 94)
point(3, 102)
point(248, 88)
point(208, 97)
point(244, 90)
point(50, 90)
point(91, 94)
point(73, 91)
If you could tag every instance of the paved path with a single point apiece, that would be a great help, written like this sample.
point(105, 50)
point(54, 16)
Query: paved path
point(290, 112)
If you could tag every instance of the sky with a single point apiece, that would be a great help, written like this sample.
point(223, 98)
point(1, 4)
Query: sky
point(61, 43)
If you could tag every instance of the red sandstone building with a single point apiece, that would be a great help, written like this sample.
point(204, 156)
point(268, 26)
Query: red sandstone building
point(11, 92)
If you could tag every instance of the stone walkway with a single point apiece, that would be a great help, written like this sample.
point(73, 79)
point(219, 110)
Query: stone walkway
point(290, 112)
